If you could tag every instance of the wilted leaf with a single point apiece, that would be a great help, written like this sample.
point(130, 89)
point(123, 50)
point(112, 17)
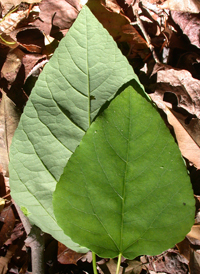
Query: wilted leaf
point(59, 111)
point(126, 189)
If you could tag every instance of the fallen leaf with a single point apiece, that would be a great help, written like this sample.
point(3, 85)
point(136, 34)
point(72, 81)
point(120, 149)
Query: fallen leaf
point(66, 255)
point(187, 145)
point(112, 266)
point(184, 248)
point(134, 267)
point(182, 84)
point(5, 260)
point(10, 21)
point(56, 13)
point(9, 118)
point(30, 61)
point(192, 6)
point(7, 223)
point(169, 262)
point(195, 232)
point(32, 39)
point(12, 65)
point(17, 2)
point(113, 5)
point(189, 23)
point(194, 263)
point(116, 23)
point(12, 78)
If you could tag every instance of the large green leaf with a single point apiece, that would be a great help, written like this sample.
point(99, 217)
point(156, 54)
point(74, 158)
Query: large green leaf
point(126, 189)
point(86, 70)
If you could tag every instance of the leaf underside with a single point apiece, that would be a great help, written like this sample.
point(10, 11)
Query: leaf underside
point(126, 189)
point(85, 71)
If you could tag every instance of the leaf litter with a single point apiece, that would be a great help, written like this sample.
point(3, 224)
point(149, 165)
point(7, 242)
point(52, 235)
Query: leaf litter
point(172, 28)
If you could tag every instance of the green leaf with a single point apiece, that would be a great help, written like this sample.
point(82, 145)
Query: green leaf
point(126, 189)
point(85, 71)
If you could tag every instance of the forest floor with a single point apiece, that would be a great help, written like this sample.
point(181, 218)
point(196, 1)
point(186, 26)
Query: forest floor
point(161, 40)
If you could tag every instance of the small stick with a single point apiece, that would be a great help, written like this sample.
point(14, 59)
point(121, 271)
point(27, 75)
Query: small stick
point(35, 240)
point(146, 36)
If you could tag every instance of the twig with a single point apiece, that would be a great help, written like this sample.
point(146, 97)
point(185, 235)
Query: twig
point(35, 240)
point(146, 36)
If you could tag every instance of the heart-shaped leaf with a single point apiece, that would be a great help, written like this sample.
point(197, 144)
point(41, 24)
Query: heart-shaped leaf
point(126, 190)
point(85, 71)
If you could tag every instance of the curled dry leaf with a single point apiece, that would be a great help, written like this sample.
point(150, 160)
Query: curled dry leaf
point(189, 24)
point(12, 65)
point(182, 84)
point(56, 15)
point(192, 6)
point(12, 77)
point(10, 21)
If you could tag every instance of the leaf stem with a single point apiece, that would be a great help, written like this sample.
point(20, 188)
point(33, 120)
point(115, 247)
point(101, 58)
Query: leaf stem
point(119, 263)
point(94, 263)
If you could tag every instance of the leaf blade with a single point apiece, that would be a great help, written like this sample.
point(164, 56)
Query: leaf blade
point(133, 188)
point(58, 113)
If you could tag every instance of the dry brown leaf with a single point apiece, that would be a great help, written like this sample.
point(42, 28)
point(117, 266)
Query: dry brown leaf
point(189, 24)
point(184, 248)
point(17, 2)
point(33, 60)
point(9, 118)
point(168, 262)
point(5, 260)
point(182, 84)
point(192, 6)
point(12, 65)
point(66, 255)
point(194, 263)
point(10, 21)
point(8, 222)
point(134, 267)
point(116, 23)
point(195, 232)
point(58, 15)
point(187, 145)
point(113, 6)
